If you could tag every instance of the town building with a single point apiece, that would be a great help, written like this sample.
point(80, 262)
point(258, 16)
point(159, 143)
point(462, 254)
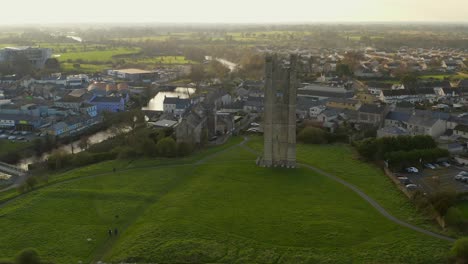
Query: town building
point(111, 104)
point(36, 56)
point(176, 105)
point(133, 75)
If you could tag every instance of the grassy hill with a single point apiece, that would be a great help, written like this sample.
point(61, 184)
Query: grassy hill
point(223, 209)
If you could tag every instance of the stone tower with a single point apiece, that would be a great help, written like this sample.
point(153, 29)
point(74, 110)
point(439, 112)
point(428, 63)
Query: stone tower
point(280, 113)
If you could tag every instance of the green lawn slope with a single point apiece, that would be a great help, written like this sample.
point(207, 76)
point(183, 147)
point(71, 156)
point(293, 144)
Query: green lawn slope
point(224, 209)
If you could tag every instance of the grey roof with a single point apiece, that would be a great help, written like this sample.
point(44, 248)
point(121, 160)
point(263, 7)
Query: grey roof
point(402, 92)
point(329, 94)
point(254, 101)
point(372, 109)
point(19, 117)
point(422, 120)
point(463, 83)
point(349, 114)
point(59, 125)
point(235, 105)
point(181, 103)
point(343, 100)
point(463, 128)
point(397, 131)
point(330, 112)
point(107, 99)
point(398, 116)
point(305, 103)
point(193, 119)
point(381, 85)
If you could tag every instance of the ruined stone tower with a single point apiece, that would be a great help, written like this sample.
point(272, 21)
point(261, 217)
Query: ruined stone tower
point(280, 113)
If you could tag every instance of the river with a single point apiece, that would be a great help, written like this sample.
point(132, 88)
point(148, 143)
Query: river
point(156, 104)
point(229, 64)
point(93, 139)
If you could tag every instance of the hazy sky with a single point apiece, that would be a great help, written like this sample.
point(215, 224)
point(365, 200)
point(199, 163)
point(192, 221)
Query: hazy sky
point(238, 11)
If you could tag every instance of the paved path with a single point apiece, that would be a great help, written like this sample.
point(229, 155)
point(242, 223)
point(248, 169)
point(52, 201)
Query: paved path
point(367, 198)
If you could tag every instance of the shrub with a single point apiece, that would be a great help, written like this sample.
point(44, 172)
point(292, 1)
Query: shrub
point(312, 135)
point(126, 153)
point(28, 256)
point(184, 149)
point(167, 147)
point(376, 149)
point(455, 218)
point(442, 201)
point(460, 249)
point(404, 158)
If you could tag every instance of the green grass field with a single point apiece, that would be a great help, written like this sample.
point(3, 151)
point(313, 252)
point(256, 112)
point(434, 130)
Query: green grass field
point(84, 67)
point(225, 210)
point(97, 55)
point(343, 162)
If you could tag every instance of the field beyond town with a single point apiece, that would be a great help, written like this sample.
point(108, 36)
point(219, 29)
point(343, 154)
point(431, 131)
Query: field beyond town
point(217, 206)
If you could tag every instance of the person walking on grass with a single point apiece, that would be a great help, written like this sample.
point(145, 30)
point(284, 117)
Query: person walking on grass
point(116, 232)
point(110, 232)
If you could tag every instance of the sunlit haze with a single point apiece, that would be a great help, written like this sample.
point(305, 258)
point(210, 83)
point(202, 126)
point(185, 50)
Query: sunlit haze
point(239, 11)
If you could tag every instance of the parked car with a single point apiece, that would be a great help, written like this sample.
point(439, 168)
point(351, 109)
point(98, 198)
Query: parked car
point(253, 129)
point(404, 180)
point(11, 138)
point(429, 166)
point(445, 164)
point(254, 124)
point(463, 173)
point(3, 136)
point(412, 170)
point(458, 177)
point(411, 186)
point(24, 133)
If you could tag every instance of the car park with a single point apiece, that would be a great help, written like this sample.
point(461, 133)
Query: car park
point(412, 170)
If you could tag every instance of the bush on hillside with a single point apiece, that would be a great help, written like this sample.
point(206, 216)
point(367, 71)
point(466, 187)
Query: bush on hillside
point(377, 148)
point(184, 149)
point(167, 147)
point(442, 201)
point(455, 218)
point(460, 250)
point(312, 135)
point(28, 256)
point(409, 158)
